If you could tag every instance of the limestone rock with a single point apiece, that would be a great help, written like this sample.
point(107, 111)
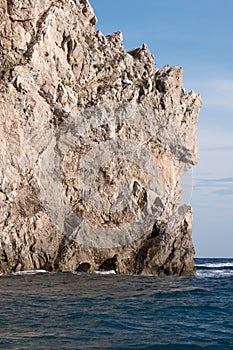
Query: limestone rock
point(94, 141)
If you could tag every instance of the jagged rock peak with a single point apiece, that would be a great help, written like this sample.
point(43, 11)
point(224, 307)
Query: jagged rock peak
point(94, 141)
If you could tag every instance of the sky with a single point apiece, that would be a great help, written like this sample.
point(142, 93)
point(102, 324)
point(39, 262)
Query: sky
point(198, 36)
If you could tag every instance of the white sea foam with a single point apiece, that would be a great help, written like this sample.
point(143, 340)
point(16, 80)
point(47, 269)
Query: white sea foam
point(29, 272)
point(214, 273)
point(216, 265)
point(110, 272)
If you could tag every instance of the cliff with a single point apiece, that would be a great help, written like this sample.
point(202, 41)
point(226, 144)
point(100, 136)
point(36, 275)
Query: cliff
point(94, 141)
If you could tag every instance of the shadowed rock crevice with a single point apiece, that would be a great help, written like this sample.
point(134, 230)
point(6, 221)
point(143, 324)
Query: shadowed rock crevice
point(109, 264)
point(84, 267)
point(37, 33)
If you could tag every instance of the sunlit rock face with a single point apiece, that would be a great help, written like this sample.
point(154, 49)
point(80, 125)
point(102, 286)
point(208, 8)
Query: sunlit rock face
point(94, 141)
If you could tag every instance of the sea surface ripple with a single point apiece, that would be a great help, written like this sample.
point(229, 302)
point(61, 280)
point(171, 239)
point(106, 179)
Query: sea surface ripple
point(80, 311)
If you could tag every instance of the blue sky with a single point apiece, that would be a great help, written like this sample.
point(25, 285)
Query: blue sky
point(198, 36)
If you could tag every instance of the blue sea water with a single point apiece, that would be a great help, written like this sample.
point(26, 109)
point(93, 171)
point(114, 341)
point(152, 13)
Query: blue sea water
point(81, 311)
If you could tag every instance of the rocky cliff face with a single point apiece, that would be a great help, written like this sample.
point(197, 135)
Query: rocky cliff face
point(94, 141)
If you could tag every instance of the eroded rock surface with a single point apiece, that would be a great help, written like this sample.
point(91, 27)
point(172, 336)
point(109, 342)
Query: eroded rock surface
point(94, 141)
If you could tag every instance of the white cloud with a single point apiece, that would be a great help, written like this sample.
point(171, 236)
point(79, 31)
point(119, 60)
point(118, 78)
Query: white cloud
point(215, 92)
point(215, 165)
point(212, 137)
point(219, 187)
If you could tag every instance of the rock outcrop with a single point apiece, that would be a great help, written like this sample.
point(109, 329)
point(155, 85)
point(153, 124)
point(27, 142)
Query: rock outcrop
point(94, 141)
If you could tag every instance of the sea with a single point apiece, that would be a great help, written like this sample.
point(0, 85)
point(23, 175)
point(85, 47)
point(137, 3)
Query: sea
point(41, 310)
